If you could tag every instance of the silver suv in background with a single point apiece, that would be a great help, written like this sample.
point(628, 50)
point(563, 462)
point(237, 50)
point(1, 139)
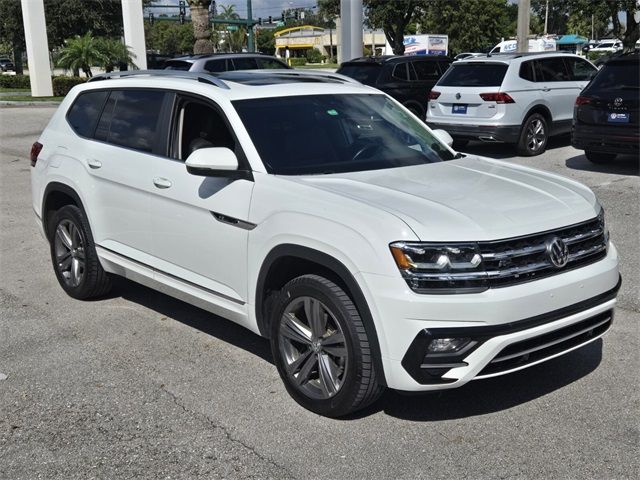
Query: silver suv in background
point(512, 98)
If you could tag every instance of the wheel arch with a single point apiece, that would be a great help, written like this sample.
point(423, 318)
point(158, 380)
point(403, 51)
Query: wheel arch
point(542, 110)
point(57, 195)
point(287, 261)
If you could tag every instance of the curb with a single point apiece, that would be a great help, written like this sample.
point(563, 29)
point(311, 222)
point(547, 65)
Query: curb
point(9, 103)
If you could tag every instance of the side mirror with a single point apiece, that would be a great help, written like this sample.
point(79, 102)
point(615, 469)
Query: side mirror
point(443, 136)
point(215, 162)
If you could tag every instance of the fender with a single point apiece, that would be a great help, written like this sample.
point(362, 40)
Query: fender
point(338, 268)
point(62, 188)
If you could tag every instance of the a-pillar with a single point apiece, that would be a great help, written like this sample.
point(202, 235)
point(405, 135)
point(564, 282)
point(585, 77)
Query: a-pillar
point(35, 35)
point(133, 23)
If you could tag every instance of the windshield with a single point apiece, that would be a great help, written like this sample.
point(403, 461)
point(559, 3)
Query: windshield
point(320, 134)
point(474, 74)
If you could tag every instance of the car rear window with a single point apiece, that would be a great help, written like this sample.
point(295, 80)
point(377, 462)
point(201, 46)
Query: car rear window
point(474, 74)
point(83, 114)
point(245, 63)
point(177, 65)
point(617, 76)
point(271, 63)
point(364, 73)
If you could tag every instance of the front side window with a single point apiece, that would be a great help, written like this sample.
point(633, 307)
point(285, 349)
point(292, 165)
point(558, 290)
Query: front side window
point(320, 134)
point(201, 126)
point(83, 114)
point(134, 118)
point(400, 72)
point(551, 70)
point(580, 69)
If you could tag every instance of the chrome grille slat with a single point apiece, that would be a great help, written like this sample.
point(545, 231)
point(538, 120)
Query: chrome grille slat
point(512, 261)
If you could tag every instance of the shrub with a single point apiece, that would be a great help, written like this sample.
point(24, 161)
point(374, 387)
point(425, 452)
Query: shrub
point(298, 61)
point(62, 85)
point(14, 81)
point(596, 55)
point(314, 56)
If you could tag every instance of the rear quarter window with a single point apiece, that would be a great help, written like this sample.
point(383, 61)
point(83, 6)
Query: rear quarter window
point(85, 111)
point(367, 74)
point(474, 74)
point(177, 65)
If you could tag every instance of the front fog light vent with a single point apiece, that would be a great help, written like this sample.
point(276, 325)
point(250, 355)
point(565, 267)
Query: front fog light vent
point(447, 345)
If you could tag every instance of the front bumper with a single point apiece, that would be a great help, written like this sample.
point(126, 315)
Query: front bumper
point(485, 133)
point(496, 319)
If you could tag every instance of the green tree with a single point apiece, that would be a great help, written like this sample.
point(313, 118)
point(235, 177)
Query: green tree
point(115, 53)
point(393, 17)
point(201, 26)
point(81, 53)
point(12, 30)
point(169, 38)
point(265, 41)
point(472, 25)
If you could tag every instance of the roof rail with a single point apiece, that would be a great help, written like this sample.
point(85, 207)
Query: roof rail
point(310, 73)
point(199, 76)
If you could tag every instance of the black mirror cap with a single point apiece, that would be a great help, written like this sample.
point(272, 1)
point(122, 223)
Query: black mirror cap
point(233, 174)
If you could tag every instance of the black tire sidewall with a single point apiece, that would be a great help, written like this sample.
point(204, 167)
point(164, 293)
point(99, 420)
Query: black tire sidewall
point(341, 403)
point(523, 149)
point(74, 214)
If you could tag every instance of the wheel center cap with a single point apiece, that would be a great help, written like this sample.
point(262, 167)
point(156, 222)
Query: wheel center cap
point(316, 346)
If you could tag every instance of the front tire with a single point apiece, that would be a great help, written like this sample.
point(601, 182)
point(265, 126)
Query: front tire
point(74, 256)
point(321, 348)
point(599, 157)
point(534, 136)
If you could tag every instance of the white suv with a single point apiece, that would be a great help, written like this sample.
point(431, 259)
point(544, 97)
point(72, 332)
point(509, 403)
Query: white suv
point(513, 98)
point(322, 214)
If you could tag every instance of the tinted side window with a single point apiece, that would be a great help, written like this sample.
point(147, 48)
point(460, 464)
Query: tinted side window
point(552, 70)
point(426, 70)
point(219, 65)
point(579, 69)
point(136, 114)
point(526, 71)
point(245, 63)
point(177, 65)
point(83, 114)
point(102, 130)
point(400, 72)
point(270, 63)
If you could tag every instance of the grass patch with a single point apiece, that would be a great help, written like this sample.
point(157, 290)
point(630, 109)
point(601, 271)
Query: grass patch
point(29, 98)
point(14, 90)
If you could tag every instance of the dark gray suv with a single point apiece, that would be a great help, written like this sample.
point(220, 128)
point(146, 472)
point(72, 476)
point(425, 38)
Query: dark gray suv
point(224, 62)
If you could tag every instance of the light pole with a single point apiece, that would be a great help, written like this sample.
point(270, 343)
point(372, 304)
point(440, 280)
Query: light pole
point(524, 7)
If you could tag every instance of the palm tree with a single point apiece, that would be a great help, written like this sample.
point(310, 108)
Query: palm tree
point(115, 53)
point(201, 26)
point(81, 53)
point(234, 40)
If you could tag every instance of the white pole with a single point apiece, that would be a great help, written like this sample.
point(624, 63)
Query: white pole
point(133, 23)
point(35, 35)
point(356, 28)
point(524, 7)
point(344, 45)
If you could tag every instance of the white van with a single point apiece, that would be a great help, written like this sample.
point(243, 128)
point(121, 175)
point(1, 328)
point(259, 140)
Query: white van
point(535, 45)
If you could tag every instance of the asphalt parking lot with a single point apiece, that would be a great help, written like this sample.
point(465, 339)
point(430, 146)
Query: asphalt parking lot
point(139, 385)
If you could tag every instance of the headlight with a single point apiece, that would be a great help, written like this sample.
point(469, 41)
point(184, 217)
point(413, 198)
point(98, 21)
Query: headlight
point(441, 268)
point(603, 226)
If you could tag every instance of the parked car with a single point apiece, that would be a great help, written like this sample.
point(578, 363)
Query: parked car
point(317, 212)
point(408, 79)
point(461, 56)
point(521, 99)
point(606, 114)
point(6, 65)
point(610, 46)
point(224, 62)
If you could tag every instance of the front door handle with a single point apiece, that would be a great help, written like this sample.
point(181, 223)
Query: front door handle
point(93, 163)
point(546, 89)
point(161, 182)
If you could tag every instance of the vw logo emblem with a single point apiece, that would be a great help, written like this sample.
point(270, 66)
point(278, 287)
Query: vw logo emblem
point(617, 102)
point(458, 96)
point(557, 252)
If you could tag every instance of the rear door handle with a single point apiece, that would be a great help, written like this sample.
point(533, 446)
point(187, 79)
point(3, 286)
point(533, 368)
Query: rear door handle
point(93, 163)
point(161, 182)
point(546, 89)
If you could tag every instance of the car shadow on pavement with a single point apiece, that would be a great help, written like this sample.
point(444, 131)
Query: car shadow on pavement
point(621, 165)
point(481, 397)
point(194, 317)
point(503, 150)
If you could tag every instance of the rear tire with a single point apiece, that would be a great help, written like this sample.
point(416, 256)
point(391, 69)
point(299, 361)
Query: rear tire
point(599, 157)
point(74, 257)
point(321, 348)
point(534, 136)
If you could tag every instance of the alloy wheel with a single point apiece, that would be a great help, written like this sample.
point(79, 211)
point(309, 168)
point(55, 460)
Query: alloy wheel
point(69, 253)
point(313, 347)
point(536, 135)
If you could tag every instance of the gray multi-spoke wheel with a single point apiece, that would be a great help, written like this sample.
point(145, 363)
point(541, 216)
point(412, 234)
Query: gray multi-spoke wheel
point(321, 347)
point(313, 347)
point(534, 136)
point(73, 255)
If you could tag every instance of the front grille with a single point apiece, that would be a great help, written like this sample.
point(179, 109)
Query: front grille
point(512, 261)
point(538, 348)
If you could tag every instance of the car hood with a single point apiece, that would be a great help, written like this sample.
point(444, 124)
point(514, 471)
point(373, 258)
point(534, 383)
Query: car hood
point(467, 199)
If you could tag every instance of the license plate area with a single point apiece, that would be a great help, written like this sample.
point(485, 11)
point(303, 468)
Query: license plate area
point(616, 117)
point(459, 109)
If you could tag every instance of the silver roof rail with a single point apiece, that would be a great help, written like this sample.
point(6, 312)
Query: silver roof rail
point(316, 73)
point(199, 76)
